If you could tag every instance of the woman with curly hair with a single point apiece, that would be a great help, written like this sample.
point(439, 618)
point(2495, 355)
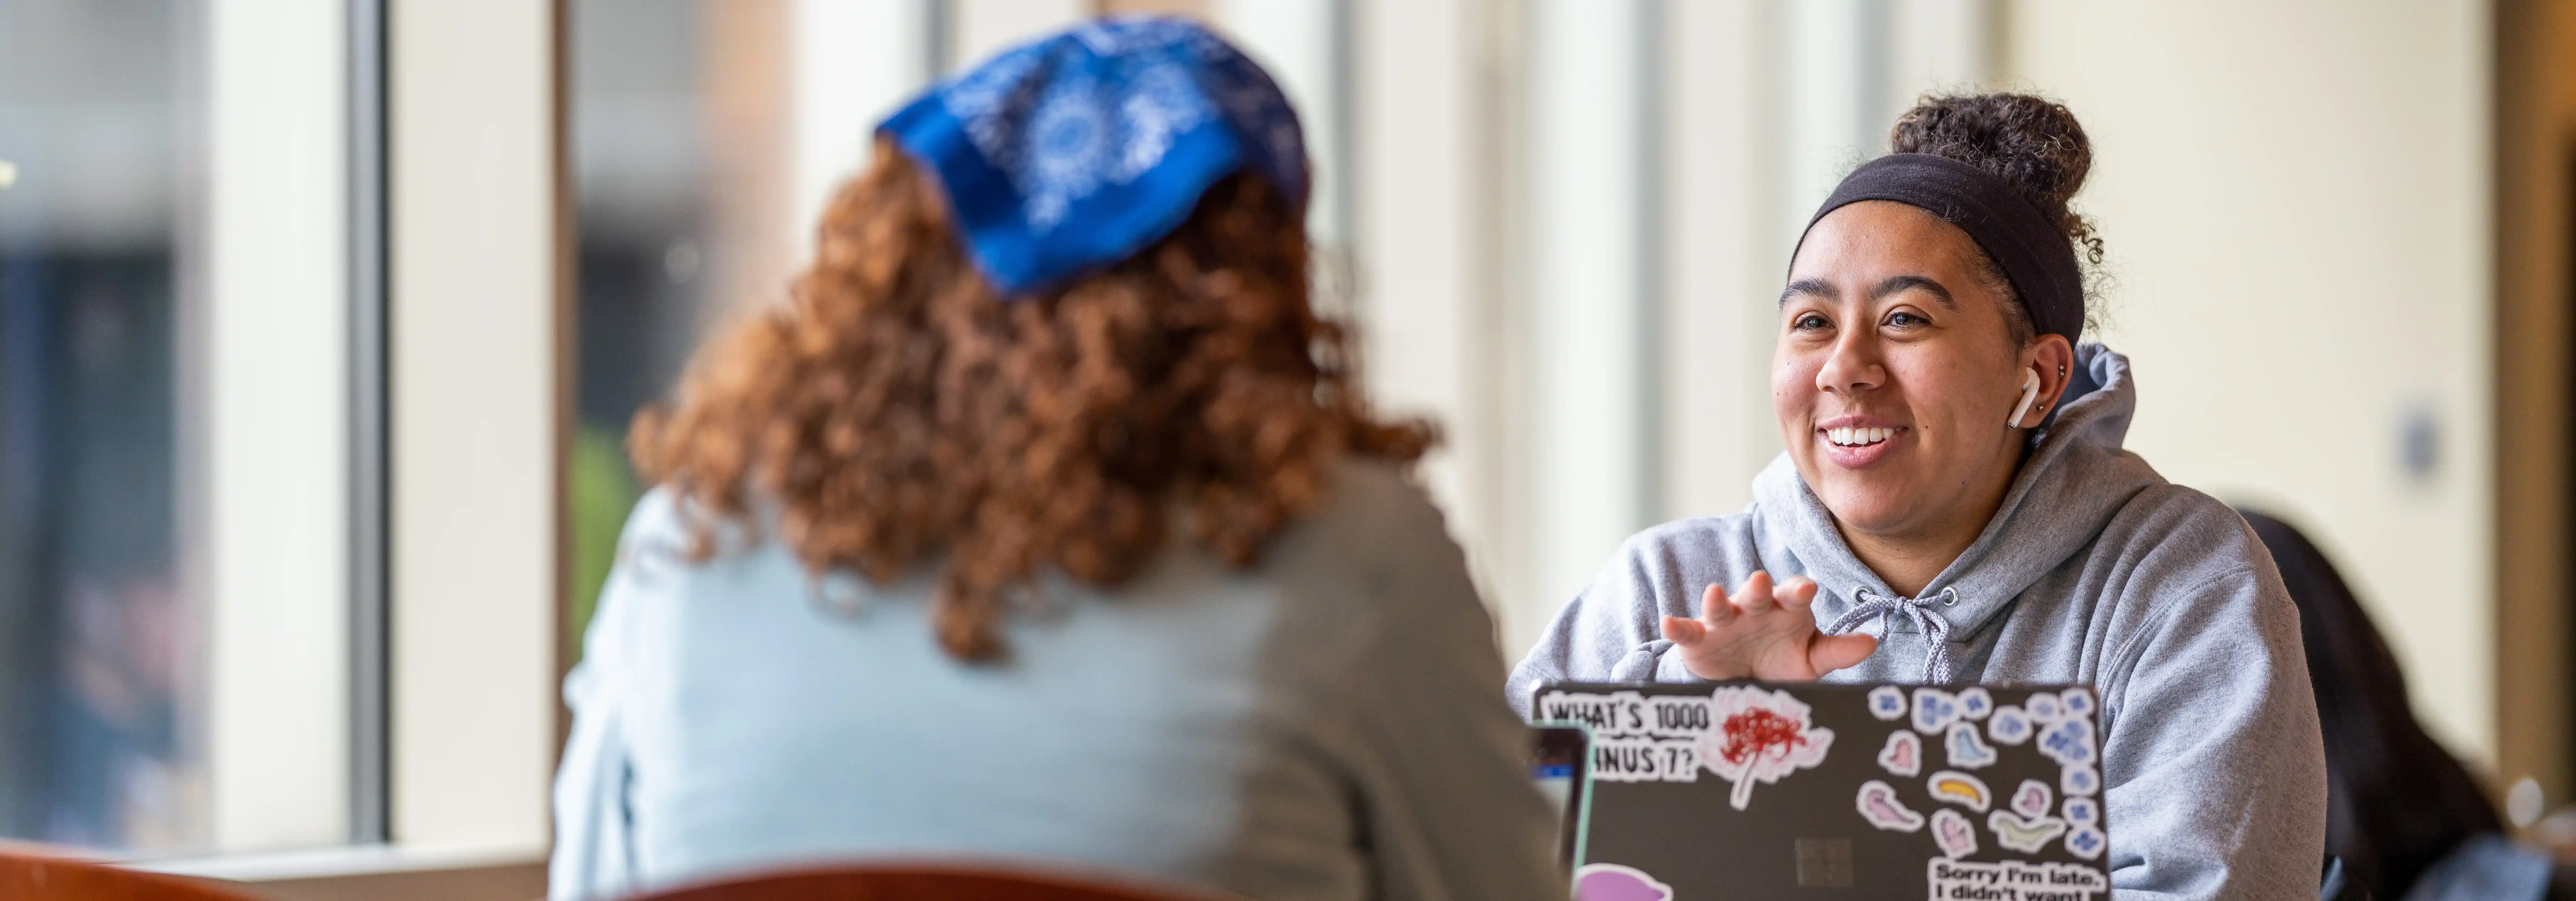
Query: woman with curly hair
point(1954, 505)
point(1045, 523)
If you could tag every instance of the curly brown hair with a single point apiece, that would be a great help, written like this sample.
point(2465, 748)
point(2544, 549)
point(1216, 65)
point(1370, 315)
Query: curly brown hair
point(898, 410)
point(2035, 145)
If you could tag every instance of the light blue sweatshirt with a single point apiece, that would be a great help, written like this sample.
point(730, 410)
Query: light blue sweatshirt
point(2094, 570)
point(1329, 724)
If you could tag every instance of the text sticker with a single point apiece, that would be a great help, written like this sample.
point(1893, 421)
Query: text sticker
point(1636, 738)
point(2013, 879)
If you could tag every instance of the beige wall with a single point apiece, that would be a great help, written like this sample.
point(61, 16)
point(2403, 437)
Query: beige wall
point(2296, 197)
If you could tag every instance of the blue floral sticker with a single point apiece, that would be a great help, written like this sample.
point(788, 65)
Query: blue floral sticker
point(2086, 842)
point(1975, 703)
point(2079, 780)
point(2008, 726)
point(1934, 710)
point(1887, 702)
point(2085, 811)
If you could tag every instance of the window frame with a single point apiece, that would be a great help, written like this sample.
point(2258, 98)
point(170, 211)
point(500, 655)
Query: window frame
point(458, 291)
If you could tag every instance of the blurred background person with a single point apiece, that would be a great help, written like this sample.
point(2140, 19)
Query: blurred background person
point(1047, 523)
point(2404, 817)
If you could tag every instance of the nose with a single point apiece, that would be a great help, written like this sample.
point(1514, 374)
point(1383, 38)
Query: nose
point(1852, 366)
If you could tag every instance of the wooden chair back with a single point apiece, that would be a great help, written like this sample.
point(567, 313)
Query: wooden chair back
point(28, 875)
point(923, 883)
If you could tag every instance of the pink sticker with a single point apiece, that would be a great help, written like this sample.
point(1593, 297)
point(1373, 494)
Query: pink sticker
point(1903, 755)
point(1878, 805)
point(2033, 798)
point(1956, 836)
point(1614, 882)
point(1761, 736)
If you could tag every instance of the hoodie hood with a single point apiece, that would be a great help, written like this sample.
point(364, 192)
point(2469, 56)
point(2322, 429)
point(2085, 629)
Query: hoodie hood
point(2070, 485)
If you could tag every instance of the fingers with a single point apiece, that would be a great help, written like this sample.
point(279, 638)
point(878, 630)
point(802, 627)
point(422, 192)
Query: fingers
point(1832, 652)
point(1796, 592)
point(1755, 596)
point(1683, 630)
point(1713, 606)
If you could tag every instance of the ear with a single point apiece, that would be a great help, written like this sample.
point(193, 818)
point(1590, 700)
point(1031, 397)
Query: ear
point(2054, 359)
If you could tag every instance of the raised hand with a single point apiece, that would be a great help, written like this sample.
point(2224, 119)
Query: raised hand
point(1764, 632)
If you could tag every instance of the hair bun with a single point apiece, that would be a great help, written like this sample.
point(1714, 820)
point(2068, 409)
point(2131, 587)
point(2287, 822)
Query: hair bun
point(2032, 143)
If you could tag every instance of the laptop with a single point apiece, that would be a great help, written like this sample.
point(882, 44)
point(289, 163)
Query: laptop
point(1861, 792)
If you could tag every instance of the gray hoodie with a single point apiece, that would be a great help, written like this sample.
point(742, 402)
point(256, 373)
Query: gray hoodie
point(2094, 570)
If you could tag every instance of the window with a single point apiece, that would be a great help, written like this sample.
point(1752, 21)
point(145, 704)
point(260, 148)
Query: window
point(174, 424)
point(100, 745)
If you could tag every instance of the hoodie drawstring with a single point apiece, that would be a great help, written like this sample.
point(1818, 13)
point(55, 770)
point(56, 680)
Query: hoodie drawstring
point(1934, 627)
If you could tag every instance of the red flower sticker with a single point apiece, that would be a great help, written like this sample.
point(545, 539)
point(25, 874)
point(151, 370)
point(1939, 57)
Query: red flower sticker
point(1760, 736)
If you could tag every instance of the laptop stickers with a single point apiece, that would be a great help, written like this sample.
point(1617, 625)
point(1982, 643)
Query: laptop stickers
point(1982, 793)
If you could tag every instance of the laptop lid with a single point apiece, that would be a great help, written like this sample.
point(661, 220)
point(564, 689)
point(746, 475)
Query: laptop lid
point(1739, 789)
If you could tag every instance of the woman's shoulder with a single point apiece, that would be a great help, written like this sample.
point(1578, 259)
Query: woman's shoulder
point(1371, 488)
point(1374, 508)
point(1381, 547)
point(673, 549)
point(2180, 531)
point(2186, 565)
point(665, 518)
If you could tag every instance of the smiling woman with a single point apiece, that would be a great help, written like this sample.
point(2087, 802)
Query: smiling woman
point(1897, 358)
point(1953, 474)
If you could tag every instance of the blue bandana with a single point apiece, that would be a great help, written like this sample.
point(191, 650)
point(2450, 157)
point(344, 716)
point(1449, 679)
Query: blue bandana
point(1080, 149)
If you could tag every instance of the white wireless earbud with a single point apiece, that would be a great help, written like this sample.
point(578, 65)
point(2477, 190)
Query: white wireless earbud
point(2029, 393)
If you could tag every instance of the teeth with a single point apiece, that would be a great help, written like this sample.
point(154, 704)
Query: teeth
point(1858, 437)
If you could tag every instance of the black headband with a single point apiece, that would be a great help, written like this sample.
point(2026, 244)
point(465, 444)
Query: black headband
point(2033, 252)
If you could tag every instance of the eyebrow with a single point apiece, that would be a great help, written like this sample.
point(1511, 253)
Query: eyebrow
point(1814, 287)
point(1901, 283)
point(1817, 287)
